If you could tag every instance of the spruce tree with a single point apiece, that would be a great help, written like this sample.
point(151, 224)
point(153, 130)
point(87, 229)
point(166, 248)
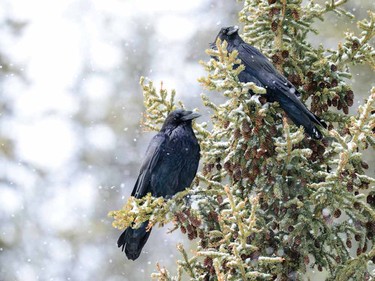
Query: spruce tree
point(270, 203)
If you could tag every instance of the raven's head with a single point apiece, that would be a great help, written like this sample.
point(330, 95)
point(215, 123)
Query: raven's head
point(180, 116)
point(228, 34)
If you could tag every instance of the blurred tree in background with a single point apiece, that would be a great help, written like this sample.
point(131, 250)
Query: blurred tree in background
point(70, 108)
point(270, 203)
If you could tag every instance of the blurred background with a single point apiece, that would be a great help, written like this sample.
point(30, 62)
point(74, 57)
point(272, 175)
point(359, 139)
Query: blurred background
point(70, 109)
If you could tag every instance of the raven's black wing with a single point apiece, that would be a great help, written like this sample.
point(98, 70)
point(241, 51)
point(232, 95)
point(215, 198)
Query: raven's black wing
point(170, 164)
point(133, 240)
point(264, 71)
point(154, 152)
point(277, 85)
point(178, 165)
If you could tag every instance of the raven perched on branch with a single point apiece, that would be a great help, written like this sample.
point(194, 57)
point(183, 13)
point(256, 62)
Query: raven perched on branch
point(259, 70)
point(169, 166)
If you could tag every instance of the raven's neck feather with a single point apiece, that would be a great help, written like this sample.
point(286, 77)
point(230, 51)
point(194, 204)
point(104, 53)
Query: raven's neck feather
point(169, 128)
point(233, 44)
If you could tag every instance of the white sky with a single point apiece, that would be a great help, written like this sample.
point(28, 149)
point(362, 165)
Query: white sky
point(59, 35)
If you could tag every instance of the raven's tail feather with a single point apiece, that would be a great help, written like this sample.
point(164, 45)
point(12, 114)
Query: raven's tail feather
point(310, 125)
point(300, 115)
point(321, 122)
point(315, 134)
point(133, 240)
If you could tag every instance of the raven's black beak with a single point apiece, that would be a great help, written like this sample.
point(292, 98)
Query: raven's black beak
point(190, 115)
point(232, 29)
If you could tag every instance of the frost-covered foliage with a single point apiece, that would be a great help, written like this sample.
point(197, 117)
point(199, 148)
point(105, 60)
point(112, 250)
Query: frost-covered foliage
point(270, 203)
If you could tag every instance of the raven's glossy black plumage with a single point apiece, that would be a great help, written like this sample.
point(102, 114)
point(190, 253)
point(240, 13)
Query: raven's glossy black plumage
point(259, 70)
point(170, 165)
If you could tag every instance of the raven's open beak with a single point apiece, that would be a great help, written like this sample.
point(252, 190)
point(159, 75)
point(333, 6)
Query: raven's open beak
point(190, 115)
point(232, 29)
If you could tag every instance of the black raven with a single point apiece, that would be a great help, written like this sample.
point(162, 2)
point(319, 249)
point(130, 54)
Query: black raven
point(259, 70)
point(169, 166)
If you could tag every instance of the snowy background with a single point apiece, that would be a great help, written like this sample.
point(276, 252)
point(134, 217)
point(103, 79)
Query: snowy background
point(70, 107)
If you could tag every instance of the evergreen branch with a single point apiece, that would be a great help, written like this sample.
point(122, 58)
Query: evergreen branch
point(280, 32)
point(236, 216)
point(334, 5)
point(187, 263)
point(138, 210)
point(210, 182)
point(157, 103)
point(240, 264)
point(219, 275)
point(163, 274)
point(351, 267)
point(254, 208)
point(288, 141)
